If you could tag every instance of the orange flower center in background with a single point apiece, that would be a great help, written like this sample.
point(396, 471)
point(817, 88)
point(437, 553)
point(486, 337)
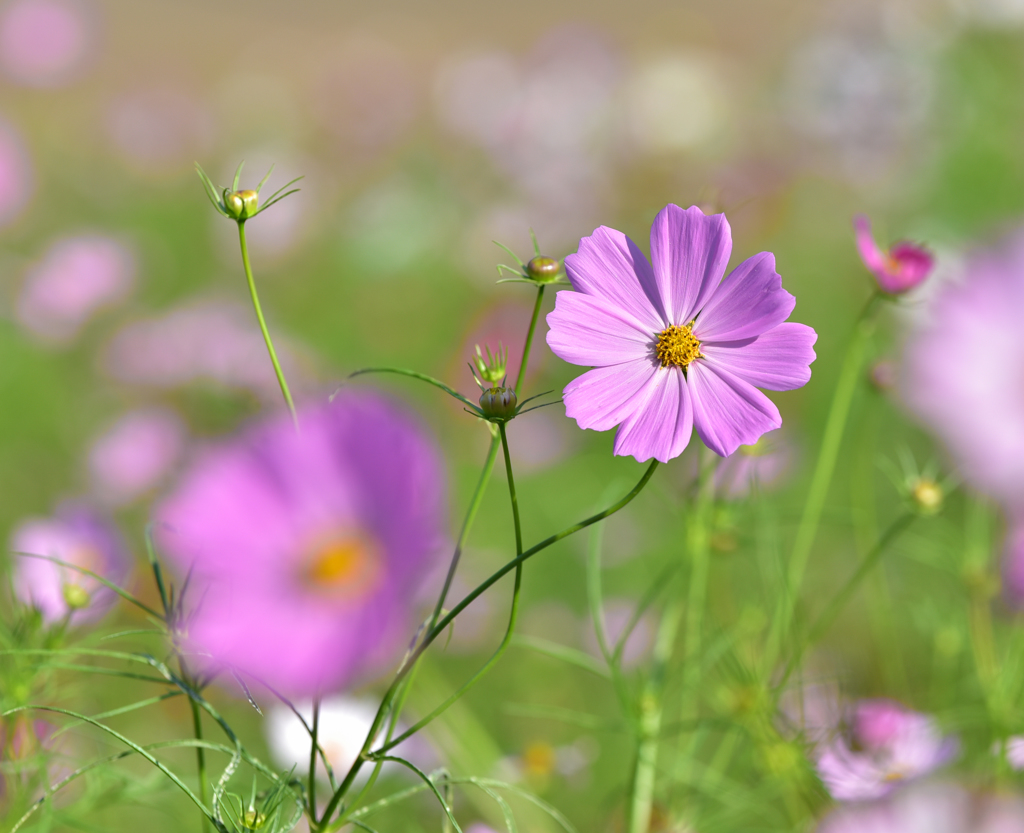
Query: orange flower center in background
point(343, 566)
point(677, 346)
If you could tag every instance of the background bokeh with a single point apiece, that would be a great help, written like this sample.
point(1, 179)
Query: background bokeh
point(425, 132)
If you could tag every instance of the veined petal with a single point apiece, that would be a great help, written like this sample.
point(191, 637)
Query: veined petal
point(611, 266)
point(662, 424)
point(728, 412)
point(777, 360)
point(689, 253)
point(588, 330)
point(748, 302)
point(603, 397)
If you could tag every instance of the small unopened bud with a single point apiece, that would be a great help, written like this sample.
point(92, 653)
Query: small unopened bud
point(926, 495)
point(253, 819)
point(241, 205)
point(543, 269)
point(493, 368)
point(75, 596)
point(498, 403)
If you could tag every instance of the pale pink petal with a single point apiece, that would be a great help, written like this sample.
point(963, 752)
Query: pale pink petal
point(609, 265)
point(662, 425)
point(590, 331)
point(728, 412)
point(874, 258)
point(748, 302)
point(689, 253)
point(603, 397)
point(777, 360)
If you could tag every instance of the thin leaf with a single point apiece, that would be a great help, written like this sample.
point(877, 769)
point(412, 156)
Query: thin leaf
point(510, 253)
point(430, 380)
point(361, 825)
point(429, 783)
point(124, 594)
point(562, 715)
point(238, 176)
point(385, 802)
point(506, 811)
point(245, 690)
point(264, 180)
point(562, 652)
point(543, 805)
point(286, 185)
point(211, 190)
point(536, 245)
point(276, 200)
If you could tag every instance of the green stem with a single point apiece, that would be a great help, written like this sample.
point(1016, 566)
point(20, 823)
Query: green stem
point(314, 737)
point(529, 338)
point(835, 425)
point(439, 628)
point(263, 324)
point(839, 601)
point(197, 729)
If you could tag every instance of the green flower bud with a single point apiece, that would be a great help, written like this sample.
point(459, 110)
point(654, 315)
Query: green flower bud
point(498, 404)
point(241, 205)
point(253, 819)
point(926, 495)
point(75, 596)
point(493, 368)
point(544, 269)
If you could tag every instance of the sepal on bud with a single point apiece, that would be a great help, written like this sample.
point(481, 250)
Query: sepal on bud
point(241, 205)
point(540, 270)
point(76, 597)
point(498, 404)
point(491, 370)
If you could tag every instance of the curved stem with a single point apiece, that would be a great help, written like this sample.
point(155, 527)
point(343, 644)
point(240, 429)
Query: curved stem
point(439, 628)
point(529, 338)
point(263, 325)
point(842, 400)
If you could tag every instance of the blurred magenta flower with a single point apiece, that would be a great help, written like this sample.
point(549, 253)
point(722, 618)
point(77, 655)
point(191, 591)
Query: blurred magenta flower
point(975, 406)
point(134, 454)
point(812, 712)
point(754, 467)
point(884, 746)
point(16, 181)
point(78, 535)
point(306, 549)
point(673, 346)
point(204, 340)
point(43, 42)
point(930, 808)
point(75, 278)
point(900, 269)
point(1013, 559)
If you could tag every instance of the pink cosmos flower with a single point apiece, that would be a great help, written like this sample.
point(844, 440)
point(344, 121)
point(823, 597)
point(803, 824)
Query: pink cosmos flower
point(930, 808)
point(306, 549)
point(673, 346)
point(135, 453)
point(1013, 562)
point(16, 181)
point(42, 42)
point(77, 277)
point(900, 269)
point(754, 467)
point(976, 407)
point(77, 535)
point(884, 746)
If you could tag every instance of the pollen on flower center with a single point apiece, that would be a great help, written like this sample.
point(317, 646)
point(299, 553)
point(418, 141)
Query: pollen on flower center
point(677, 346)
point(345, 565)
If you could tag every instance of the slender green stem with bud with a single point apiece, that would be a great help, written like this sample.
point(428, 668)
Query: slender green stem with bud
point(263, 324)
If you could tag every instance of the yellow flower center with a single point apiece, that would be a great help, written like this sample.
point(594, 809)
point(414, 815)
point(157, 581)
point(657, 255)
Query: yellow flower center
point(677, 346)
point(343, 566)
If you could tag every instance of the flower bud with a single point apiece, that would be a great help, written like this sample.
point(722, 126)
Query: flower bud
point(75, 596)
point(498, 403)
point(926, 495)
point(543, 269)
point(241, 205)
point(494, 367)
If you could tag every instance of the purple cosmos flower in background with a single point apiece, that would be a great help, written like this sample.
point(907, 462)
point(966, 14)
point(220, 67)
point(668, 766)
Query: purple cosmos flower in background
point(754, 467)
point(77, 276)
point(884, 746)
point(77, 535)
point(16, 180)
point(930, 808)
point(900, 269)
point(306, 549)
point(962, 370)
point(673, 346)
point(43, 42)
point(1013, 561)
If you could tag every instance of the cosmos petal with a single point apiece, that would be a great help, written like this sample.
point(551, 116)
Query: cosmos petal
point(605, 396)
point(689, 253)
point(748, 302)
point(609, 265)
point(591, 331)
point(662, 425)
point(777, 360)
point(728, 412)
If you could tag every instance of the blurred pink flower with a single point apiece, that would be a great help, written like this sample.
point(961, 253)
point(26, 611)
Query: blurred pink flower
point(884, 746)
point(16, 181)
point(205, 340)
point(135, 453)
point(930, 808)
point(77, 535)
point(76, 277)
point(159, 130)
point(1015, 752)
point(812, 712)
point(1013, 560)
point(43, 42)
point(617, 615)
point(900, 269)
point(752, 468)
point(306, 548)
point(962, 370)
